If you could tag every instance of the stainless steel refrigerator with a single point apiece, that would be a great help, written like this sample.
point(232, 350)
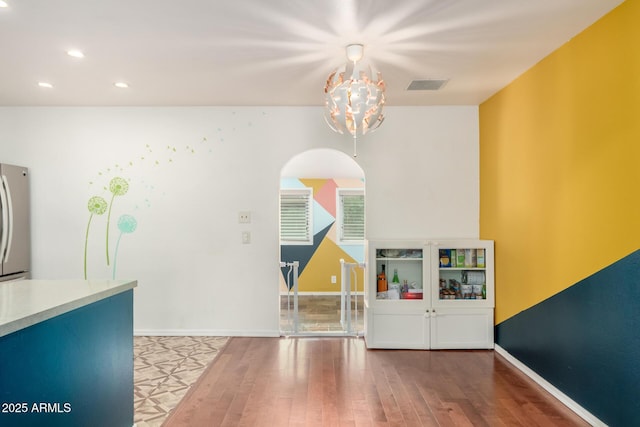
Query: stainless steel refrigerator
point(15, 235)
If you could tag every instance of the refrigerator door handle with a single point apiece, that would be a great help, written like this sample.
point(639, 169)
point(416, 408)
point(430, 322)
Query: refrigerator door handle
point(5, 206)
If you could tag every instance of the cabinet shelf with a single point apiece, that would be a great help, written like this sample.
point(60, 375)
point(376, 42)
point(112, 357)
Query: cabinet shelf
point(404, 296)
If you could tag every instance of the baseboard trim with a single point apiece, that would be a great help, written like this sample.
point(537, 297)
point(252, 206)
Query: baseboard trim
point(566, 400)
point(204, 333)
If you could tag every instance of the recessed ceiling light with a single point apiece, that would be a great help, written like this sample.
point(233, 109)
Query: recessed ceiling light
point(3, 4)
point(45, 84)
point(75, 53)
point(121, 85)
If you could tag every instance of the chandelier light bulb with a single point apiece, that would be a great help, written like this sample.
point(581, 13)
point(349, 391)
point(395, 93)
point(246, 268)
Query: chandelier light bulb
point(355, 52)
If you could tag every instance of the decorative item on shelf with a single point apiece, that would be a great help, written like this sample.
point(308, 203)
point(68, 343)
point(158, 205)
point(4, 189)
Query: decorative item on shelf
point(477, 291)
point(394, 291)
point(474, 277)
point(445, 258)
point(470, 258)
point(382, 281)
point(412, 295)
point(395, 276)
point(390, 253)
point(467, 290)
point(414, 253)
point(353, 99)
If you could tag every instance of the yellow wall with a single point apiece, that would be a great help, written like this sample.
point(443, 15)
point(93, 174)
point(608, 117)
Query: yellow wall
point(560, 164)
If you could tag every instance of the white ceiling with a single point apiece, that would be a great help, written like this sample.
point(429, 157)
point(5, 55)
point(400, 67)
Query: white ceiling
point(273, 52)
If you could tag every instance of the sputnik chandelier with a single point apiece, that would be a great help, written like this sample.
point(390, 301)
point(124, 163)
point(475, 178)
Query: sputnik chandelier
point(354, 100)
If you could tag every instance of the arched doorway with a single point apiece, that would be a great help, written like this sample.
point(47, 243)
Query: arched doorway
point(322, 195)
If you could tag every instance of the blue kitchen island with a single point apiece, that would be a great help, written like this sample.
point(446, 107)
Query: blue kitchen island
point(66, 353)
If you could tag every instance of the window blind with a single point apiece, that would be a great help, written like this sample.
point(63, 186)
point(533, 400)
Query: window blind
point(294, 217)
point(352, 224)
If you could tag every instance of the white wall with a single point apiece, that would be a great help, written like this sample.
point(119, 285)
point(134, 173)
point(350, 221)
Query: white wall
point(192, 169)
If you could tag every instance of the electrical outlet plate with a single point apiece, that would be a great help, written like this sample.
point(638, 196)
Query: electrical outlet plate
point(244, 217)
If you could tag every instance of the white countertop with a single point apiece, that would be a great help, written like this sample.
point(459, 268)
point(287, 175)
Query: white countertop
point(26, 302)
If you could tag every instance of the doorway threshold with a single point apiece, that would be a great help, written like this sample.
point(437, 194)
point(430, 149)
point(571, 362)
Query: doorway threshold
point(317, 334)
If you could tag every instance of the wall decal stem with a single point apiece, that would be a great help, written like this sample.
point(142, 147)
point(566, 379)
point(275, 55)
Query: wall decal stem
point(97, 206)
point(118, 187)
point(126, 224)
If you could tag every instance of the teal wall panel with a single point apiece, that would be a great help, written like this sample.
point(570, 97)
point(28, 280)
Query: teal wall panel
point(585, 341)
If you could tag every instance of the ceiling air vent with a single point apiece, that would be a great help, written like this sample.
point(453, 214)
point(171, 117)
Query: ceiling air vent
point(427, 84)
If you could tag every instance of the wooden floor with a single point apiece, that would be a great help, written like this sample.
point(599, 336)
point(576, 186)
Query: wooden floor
point(338, 382)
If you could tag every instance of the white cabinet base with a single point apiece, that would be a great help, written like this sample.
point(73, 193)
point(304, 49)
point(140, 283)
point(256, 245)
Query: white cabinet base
point(398, 330)
point(453, 328)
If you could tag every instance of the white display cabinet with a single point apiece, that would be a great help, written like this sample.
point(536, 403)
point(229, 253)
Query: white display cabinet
point(397, 315)
point(436, 302)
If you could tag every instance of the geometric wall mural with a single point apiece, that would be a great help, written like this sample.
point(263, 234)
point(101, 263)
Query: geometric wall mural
point(321, 260)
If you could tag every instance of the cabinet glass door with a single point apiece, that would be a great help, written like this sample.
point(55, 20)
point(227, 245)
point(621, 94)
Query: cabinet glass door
point(462, 277)
point(399, 274)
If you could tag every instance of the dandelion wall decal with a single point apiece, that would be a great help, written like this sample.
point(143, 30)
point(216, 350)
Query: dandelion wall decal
point(97, 206)
point(148, 156)
point(118, 187)
point(126, 224)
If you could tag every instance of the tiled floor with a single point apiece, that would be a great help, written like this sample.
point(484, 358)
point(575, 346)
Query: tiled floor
point(164, 369)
